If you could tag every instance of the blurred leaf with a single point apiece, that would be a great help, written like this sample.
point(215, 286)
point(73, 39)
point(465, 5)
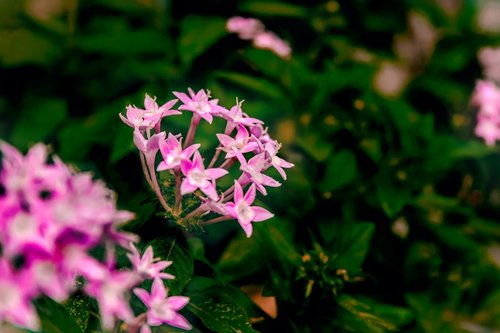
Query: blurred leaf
point(123, 143)
point(281, 240)
point(198, 33)
point(341, 169)
point(168, 248)
point(124, 43)
point(21, 47)
point(258, 85)
point(271, 8)
point(243, 256)
point(219, 313)
point(392, 199)
point(315, 146)
point(38, 121)
point(377, 317)
point(350, 245)
point(54, 318)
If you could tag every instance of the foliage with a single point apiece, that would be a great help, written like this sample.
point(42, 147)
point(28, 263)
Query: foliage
point(389, 219)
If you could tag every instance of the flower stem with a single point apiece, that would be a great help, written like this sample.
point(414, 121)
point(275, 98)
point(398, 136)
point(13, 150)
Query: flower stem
point(156, 187)
point(145, 170)
point(195, 120)
point(216, 156)
point(217, 219)
point(178, 195)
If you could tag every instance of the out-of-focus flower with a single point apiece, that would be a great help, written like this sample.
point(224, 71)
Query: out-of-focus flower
point(270, 41)
point(391, 78)
point(487, 18)
point(253, 29)
point(246, 28)
point(52, 218)
point(486, 98)
point(489, 59)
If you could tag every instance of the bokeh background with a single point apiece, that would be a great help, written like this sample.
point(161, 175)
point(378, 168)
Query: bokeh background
point(388, 221)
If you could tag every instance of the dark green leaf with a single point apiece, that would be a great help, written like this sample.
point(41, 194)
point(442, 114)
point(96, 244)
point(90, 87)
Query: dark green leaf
point(341, 169)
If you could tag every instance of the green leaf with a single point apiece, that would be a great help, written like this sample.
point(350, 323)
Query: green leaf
point(374, 316)
point(198, 33)
point(341, 169)
point(256, 84)
point(243, 256)
point(22, 47)
point(281, 240)
point(219, 313)
point(351, 244)
point(392, 199)
point(124, 43)
point(79, 309)
point(54, 317)
point(122, 144)
point(38, 122)
point(269, 8)
point(168, 248)
point(315, 146)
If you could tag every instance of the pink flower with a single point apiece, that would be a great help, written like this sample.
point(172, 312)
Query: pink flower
point(147, 266)
point(243, 212)
point(271, 148)
point(199, 177)
point(111, 294)
point(15, 304)
point(268, 40)
point(151, 115)
point(487, 98)
point(199, 103)
point(163, 309)
point(235, 116)
point(252, 172)
point(241, 142)
point(246, 28)
point(173, 154)
point(488, 130)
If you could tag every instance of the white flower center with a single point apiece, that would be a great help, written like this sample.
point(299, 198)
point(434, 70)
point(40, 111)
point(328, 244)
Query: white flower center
point(198, 178)
point(244, 212)
point(200, 107)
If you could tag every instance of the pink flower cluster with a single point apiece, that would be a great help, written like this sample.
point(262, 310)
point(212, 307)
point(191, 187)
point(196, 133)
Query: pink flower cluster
point(244, 146)
point(253, 29)
point(487, 98)
point(50, 220)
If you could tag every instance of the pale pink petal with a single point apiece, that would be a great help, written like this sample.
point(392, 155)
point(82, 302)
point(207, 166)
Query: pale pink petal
point(180, 321)
point(261, 214)
point(238, 191)
point(177, 302)
point(250, 195)
point(186, 187)
point(216, 173)
point(158, 290)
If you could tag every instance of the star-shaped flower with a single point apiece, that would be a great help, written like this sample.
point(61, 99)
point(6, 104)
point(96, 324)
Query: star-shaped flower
point(199, 177)
point(242, 210)
point(163, 309)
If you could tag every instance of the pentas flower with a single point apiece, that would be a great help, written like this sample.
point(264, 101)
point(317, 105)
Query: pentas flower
point(252, 172)
point(197, 177)
point(52, 218)
point(173, 154)
point(246, 28)
point(241, 142)
point(487, 98)
point(249, 151)
point(163, 309)
point(149, 117)
point(270, 41)
point(199, 103)
point(148, 266)
point(242, 210)
point(253, 29)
